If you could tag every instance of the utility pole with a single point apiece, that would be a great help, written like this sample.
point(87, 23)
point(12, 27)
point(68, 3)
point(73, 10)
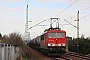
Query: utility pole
point(27, 33)
point(78, 24)
point(26, 25)
point(78, 32)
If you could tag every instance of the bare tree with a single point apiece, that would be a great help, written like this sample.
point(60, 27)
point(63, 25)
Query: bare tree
point(15, 38)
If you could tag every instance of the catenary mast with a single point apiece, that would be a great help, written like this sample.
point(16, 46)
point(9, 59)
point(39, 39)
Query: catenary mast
point(26, 25)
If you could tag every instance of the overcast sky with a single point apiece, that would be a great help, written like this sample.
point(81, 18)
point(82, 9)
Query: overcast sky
point(13, 15)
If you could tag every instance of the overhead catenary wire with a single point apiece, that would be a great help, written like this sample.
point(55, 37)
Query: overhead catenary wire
point(60, 12)
point(66, 8)
point(72, 16)
point(87, 10)
point(37, 24)
point(56, 15)
point(70, 23)
point(63, 7)
point(85, 16)
point(81, 13)
point(84, 9)
point(66, 4)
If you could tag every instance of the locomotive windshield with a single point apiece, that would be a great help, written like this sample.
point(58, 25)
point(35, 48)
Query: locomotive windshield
point(56, 35)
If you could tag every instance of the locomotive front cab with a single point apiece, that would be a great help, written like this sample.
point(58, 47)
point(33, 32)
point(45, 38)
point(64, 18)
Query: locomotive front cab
point(56, 38)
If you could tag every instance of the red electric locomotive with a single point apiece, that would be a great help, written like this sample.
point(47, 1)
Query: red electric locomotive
point(53, 40)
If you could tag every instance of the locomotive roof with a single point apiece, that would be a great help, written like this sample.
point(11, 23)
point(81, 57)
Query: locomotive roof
point(52, 29)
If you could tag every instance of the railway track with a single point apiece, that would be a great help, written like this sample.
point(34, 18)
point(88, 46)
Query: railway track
point(59, 57)
point(67, 56)
point(77, 55)
point(71, 56)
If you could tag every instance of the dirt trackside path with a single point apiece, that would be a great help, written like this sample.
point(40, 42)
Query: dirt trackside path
point(38, 55)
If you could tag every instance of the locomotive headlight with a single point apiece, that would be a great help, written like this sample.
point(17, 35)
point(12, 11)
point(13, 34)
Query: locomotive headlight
point(48, 44)
point(51, 44)
point(61, 44)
